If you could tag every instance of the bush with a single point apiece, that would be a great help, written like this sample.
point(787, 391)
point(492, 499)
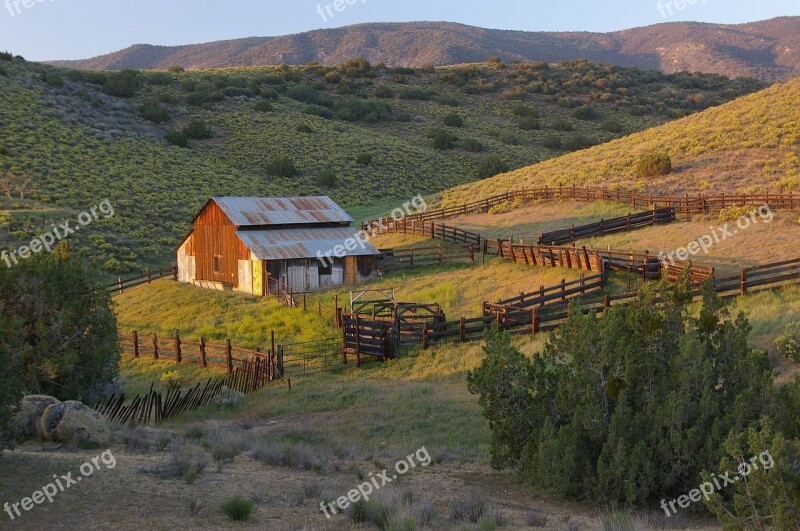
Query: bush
point(333, 77)
point(383, 91)
point(327, 178)
point(269, 94)
point(733, 213)
point(122, 84)
point(6, 56)
point(153, 112)
point(577, 142)
point(282, 167)
point(355, 110)
point(263, 106)
point(57, 328)
point(159, 78)
point(364, 159)
point(491, 166)
point(176, 138)
point(318, 110)
point(507, 137)
point(529, 124)
point(788, 344)
point(442, 139)
point(238, 509)
point(523, 111)
point(562, 125)
point(654, 164)
point(415, 94)
point(586, 113)
point(472, 145)
point(304, 128)
point(612, 126)
point(448, 99)
point(453, 120)
point(552, 141)
point(304, 93)
point(53, 80)
point(176, 69)
point(198, 130)
point(608, 445)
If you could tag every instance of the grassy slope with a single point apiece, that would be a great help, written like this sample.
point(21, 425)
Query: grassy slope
point(752, 143)
point(82, 146)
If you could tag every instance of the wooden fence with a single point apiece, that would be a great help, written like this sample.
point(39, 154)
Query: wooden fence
point(311, 357)
point(365, 337)
point(423, 228)
point(394, 259)
point(122, 285)
point(519, 320)
point(544, 296)
point(657, 216)
point(683, 205)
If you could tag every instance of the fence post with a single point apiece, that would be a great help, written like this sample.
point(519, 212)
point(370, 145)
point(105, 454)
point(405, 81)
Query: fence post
point(358, 343)
point(119, 283)
point(203, 361)
point(425, 339)
point(281, 369)
point(229, 355)
point(155, 347)
point(149, 276)
point(304, 302)
point(743, 281)
point(178, 356)
point(535, 321)
point(462, 330)
point(607, 301)
point(563, 289)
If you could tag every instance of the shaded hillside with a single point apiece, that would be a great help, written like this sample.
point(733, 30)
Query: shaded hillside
point(749, 145)
point(769, 50)
point(360, 134)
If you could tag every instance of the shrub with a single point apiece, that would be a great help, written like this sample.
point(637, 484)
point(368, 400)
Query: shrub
point(733, 213)
point(577, 142)
point(604, 445)
point(355, 110)
point(654, 164)
point(6, 56)
point(453, 120)
point(470, 509)
point(472, 145)
point(448, 99)
point(176, 69)
point(442, 139)
point(507, 137)
point(269, 94)
point(263, 106)
point(383, 91)
point(612, 126)
point(523, 111)
point(788, 344)
point(176, 138)
point(198, 130)
point(304, 128)
point(327, 178)
point(60, 344)
point(122, 84)
point(333, 77)
point(529, 123)
point(586, 113)
point(238, 509)
point(414, 93)
point(364, 159)
point(159, 78)
point(318, 110)
point(304, 93)
point(153, 112)
point(53, 80)
point(552, 141)
point(491, 166)
point(562, 125)
point(282, 167)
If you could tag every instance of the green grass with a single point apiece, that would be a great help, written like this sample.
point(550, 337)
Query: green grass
point(81, 145)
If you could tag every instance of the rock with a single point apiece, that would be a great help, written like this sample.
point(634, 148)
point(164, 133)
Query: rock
point(26, 419)
point(73, 422)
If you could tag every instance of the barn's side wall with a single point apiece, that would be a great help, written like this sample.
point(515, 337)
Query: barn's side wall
point(186, 261)
point(215, 235)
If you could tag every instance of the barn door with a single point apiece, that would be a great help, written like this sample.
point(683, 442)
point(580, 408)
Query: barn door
point(258, 278)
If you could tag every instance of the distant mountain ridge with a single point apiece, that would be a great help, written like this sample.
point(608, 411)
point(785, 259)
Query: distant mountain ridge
point(769, 50)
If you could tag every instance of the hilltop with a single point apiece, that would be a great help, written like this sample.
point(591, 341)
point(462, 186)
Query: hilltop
point(749, 145)
point(769, 50)
point(365, 135)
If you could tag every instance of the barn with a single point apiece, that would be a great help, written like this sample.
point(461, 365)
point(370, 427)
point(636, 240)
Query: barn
point(257, 245)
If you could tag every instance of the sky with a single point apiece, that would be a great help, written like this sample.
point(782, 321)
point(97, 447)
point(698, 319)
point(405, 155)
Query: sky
point(78, 29)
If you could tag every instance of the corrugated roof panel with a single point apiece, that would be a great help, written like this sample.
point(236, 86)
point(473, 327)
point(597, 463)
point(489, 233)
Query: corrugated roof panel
point(254, 211)
point(295, 244)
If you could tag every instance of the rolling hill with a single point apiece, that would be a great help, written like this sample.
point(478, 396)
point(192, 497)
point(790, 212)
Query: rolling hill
point(769, 50)
point(751, 144)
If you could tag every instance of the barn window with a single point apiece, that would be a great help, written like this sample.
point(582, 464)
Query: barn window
point(326, 270)
point(217, 263)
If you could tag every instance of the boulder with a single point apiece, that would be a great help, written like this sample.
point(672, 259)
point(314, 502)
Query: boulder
point(26, 419)
point(74, 422)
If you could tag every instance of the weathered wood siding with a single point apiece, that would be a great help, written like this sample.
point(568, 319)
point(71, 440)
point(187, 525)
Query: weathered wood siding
point(215, 235)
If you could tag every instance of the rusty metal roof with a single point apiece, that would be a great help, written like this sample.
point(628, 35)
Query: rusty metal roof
point(256, 211)
point(291, 244)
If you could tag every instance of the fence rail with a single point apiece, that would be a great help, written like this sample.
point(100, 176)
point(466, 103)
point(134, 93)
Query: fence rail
point(312, 357)
point(657, 216)
point(124, 284)
point(394, 259)
point(685, 205)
